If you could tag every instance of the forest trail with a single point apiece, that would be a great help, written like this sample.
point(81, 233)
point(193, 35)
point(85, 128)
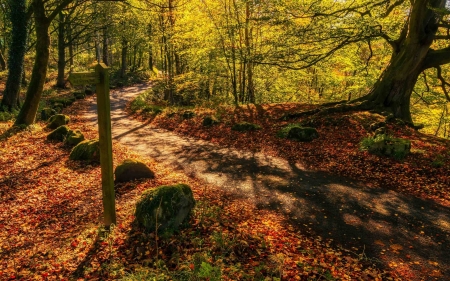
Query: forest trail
point(404, 232)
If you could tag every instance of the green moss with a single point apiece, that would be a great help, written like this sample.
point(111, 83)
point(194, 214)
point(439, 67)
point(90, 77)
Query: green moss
point(79, 95)
point(46, 113)
point(188, 115)
point(58, 120)
point(131, 169)
point(167, 207)
point(209, 121)
point(88, 150)
point(59, 134)
point(386, 145)
point(297, 132)
point(74, 137)
point(245, 126)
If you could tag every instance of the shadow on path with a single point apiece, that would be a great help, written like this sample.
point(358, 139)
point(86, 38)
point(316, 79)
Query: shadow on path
point(382, 224)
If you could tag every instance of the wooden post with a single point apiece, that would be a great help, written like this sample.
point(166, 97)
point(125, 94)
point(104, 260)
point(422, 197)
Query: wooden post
point(105, 139)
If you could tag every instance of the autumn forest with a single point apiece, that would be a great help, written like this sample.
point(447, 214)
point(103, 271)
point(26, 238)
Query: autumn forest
point(224, 140)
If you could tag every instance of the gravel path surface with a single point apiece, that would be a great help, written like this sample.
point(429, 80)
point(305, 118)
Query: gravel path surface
point(380, 224)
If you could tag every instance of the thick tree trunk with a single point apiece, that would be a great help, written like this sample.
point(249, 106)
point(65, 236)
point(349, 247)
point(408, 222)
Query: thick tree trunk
point(17, 52)
point(61, 83)
point(411, 56)
point(28, 111)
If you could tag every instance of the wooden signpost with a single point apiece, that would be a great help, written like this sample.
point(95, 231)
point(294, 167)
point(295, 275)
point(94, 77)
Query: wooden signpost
point(101, 78)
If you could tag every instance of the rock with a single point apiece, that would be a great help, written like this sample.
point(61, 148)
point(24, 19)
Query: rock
point(389, 146)
point(79, 95)
point(303, 134)
point(74, 137)
point(209, 121)
point(46, 113)
point(57, 120)
point(131, 169)
point(167, 207)
point(89, 91)
point(245, 126)
point(59, 134)
point(188, 115)
point(376, 125)
point(88, 150)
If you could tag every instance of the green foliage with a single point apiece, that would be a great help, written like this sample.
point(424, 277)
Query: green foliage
point(438, 162)
point(6, 115)
point(143, 103)
point(209, 272)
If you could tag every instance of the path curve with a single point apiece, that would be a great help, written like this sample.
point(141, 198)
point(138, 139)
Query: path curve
point(381, 224)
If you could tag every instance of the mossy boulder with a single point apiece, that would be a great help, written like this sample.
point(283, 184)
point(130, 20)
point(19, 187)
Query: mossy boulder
point(59, 134)
point(58, 120)
point(46, 113)
point(88, 150)
point(387, 145)
point(209, 121)
point(298, 132)
point(131, 169)
point(168, 207)
point(74, 137)
point(245, 126)
point(89, 91)
point(305, 134)
point(79, 95)
point(188, 114)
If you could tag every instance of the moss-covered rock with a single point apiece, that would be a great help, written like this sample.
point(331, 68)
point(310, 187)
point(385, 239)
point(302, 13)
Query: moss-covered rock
point(79, 95)
point(89, 91)
point(131, 169)
point(88, 150)
point(59, 134)
point(303, 134)
point(46, 113)
point(245, 126)
point(387, 145)
point(167, 207)
point(57, 120)
point(188, 114)
point(298, 132)
point(209, 121)
point(74, 137)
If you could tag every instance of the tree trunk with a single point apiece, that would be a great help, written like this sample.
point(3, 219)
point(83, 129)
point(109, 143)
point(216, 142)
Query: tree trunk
point(2, 61)
point(105, 46)
point(123, 70)
point(17, 52)
point(28, 111)
point(411, 56)
point(61, 83)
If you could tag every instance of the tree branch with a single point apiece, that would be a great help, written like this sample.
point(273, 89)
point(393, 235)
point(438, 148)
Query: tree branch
point(443, 82)
point(436, 58)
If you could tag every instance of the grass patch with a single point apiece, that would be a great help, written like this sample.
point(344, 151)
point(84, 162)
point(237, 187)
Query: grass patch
point(283, 133)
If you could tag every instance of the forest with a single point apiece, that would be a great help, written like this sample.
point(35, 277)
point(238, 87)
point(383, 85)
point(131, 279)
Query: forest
point(310, 140)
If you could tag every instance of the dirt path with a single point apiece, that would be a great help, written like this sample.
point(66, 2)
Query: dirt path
point(409, 234)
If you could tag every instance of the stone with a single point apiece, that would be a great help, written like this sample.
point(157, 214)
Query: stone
point(88, 150)
point(46, 113)
point(89, 91)
point(74, 137)
point(245, 126)
point(209, 121)
point(58, 120)
point(59, 134)
point(305, 134)
point(131, 169)
point(165, 208)
point(79, 95)
point(188, 115)
point(389, 146)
